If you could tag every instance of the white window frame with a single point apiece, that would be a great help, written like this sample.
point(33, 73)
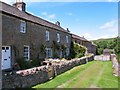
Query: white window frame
point(47, 36)
point(67, 40)
point(22, 26)
point(58, 37)
point(48, 52)
point(27, 53)
point(61, 53)
point(67, 51)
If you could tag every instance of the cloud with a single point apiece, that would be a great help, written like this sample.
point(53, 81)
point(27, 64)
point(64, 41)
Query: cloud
point(103, 37)
point(52, 16)
point(111, 25)
point(44, 13)
point(70, 14)
point(87, 35)
point(49, 16)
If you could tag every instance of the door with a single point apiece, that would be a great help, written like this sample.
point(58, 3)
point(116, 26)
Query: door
point(6, 57)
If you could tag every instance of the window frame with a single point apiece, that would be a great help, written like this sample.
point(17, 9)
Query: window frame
point(67, 39)
point(48, 52)
point(67, 51)
point(58, 37)
point(47, 35)
point(22, 26)
point(26, 53)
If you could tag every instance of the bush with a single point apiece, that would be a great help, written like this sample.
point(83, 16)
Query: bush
point(35, 63)
point(72, 52)
point(23, 63)
point(79, 50)
point(76, 50)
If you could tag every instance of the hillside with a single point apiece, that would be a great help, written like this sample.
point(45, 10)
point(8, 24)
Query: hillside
point(110, 43)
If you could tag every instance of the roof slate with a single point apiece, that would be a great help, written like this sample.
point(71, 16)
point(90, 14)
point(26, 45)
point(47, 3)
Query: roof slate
point(27, 16)
point(78, 37)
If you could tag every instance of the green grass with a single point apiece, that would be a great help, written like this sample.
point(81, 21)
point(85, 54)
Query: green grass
point(95, 74)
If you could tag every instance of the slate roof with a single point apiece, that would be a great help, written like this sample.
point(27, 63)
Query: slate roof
point(27, 16)
point(78, 37)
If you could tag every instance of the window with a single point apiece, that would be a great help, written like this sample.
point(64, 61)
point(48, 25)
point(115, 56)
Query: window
point(23, 26)
point(67, 39)
point(75, 41)
point(48, 53)
point(67, 51)
point(61, 54)
point(26, 53)
point(47, 35)
point(58, 37)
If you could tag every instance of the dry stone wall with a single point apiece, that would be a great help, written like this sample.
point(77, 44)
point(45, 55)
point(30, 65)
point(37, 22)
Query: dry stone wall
point(30, 77)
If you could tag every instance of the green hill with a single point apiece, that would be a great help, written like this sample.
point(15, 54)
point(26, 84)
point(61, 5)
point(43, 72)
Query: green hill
point(110, 43)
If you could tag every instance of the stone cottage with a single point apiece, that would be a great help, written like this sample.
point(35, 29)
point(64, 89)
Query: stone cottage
point(30, 37)
point(25, 36)
point(91, 47)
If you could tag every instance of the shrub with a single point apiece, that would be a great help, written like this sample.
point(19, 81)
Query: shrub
point(76, 50)
point(35, 62)
point(72, 51)
point(79, 50)
point(23, 63)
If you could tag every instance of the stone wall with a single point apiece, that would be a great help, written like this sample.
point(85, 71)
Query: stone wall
point(102, 57)
point(37, 75)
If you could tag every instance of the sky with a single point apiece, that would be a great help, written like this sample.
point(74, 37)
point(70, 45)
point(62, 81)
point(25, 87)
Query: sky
point(94, 19)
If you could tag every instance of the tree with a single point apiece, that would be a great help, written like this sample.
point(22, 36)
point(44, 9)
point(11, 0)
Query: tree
point(72, 51)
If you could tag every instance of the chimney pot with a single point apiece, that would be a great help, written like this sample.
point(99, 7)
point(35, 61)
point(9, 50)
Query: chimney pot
point(68, 30)
point(20, 5)
point(58, 23)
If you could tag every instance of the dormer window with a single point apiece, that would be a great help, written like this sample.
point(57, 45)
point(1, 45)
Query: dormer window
point(58, 37)
point(22, 26)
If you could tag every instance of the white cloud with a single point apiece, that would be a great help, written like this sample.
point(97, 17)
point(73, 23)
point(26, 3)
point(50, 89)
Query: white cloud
point(87, 36)
point(44, 13)
point(111, 26)
point(103, 37)
point(70, 14)
point(49, 16)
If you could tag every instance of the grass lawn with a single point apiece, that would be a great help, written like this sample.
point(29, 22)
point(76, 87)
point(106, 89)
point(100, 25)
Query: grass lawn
point(95, 74)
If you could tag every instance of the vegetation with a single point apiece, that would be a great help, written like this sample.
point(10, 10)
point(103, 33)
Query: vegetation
point(95, 74)
point(55, 47)
point(72, 51)
point(79, 50)
point(111, 43)
point(76, 50)
point(42, 51)
point(23, 63)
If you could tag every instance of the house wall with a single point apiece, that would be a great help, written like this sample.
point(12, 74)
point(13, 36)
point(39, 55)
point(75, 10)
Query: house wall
point(0, 48)
point(90, 47)
point(34, 37)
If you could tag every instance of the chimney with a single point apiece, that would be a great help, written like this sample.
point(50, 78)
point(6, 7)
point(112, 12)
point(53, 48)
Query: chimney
point(20, 5)
point(68, 30)
point(57, 23)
